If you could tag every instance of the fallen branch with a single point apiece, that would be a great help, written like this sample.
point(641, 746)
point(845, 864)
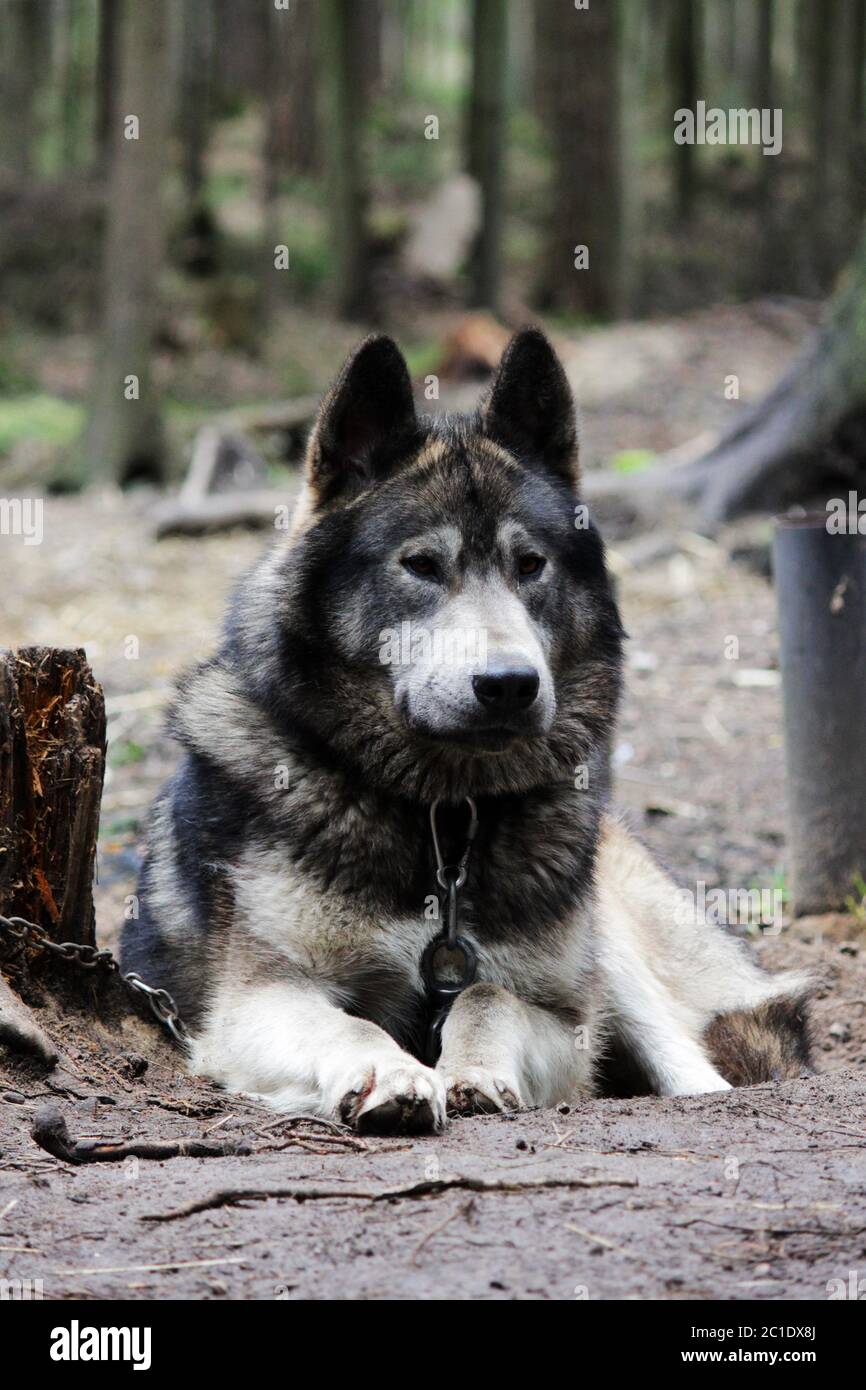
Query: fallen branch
point(431, 1187)
point(51, 1133)
point(283, 415)
point(219, 511)
point(155, 1269)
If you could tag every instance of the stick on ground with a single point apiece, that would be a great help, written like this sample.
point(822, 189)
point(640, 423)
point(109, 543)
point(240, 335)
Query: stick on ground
point(432, 1187)
point(51, 1133)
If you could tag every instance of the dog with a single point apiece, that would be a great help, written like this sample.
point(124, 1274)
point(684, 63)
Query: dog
point(289, 893)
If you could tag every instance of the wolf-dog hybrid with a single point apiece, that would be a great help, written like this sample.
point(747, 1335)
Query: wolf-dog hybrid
point(438, 624)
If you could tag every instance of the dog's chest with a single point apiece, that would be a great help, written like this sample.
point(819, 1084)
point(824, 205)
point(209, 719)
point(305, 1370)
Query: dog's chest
point(370, 961)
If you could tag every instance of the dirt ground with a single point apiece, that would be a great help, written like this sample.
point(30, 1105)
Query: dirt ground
point(758, 1193)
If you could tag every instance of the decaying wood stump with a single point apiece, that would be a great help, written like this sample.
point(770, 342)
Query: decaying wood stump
point(52, 763)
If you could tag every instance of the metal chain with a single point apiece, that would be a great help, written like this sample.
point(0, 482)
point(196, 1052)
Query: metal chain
point(88, 957)
point(442, 989)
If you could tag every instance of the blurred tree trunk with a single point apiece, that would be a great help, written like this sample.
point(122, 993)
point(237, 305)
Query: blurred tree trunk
point(763, 93)
point(370, 22)
point(106, 81)
point(394, 46)
point(341, 60)
point(540, 52)
point(237, 44)
point(195, 96)
point(296, 141)
point(728, 53)
point(763, 96)
point(22, 24)
point(486, 143)
point(816, 41)
point(684, 46)
point(70, 80)
point(580, 68)
point(275, 24)
point(124, 436)
point(847, 96)
point(807, 436)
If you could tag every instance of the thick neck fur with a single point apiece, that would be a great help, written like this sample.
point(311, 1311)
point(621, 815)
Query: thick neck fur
point(373, 846)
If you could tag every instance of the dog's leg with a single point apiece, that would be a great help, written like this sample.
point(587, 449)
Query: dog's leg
point(682, 993)
point(499, 1053)
point(644, 1015)
point(296, 1050)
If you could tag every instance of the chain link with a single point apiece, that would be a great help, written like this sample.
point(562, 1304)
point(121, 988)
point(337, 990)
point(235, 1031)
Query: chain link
point(88, 957)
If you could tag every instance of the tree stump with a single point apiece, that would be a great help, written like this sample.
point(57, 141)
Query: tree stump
point(52, 764)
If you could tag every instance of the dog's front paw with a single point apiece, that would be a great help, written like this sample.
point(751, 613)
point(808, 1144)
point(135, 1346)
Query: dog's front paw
point(478, 1092)
point(401, 1097)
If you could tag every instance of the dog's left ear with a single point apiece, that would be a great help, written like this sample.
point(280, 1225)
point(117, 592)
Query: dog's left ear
point(530, 408)
point(369, 406)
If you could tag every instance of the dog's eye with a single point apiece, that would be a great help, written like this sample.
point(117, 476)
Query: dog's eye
point(424, 566)
point(529, 565)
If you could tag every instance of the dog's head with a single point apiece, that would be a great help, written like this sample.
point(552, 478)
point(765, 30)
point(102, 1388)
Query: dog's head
point(444, 616)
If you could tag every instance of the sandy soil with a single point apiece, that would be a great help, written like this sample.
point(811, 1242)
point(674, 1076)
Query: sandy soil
point(760, 1193)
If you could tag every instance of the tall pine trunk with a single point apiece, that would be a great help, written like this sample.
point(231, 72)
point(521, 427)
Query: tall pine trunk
point(341, 33)
point(195, 92)
point(816, 39)
point(106, 81)
point(487, 142)
point(684, 46)
point(293, 107)
point(579, 67)
point(20, 25)
point(124, 436)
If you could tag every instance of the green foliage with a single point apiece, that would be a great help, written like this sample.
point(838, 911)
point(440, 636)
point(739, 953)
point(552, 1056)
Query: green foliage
point(423, 357)
point(311, 260)
point(45, 419)
point(14, 380)
point(632, 460)
point(856, 905)
point(221, 187)
point(125, 753)
point(119, 827)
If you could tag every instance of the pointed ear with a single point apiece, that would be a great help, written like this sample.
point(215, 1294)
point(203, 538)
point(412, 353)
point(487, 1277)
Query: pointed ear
point(370, 406)
point(530, 409)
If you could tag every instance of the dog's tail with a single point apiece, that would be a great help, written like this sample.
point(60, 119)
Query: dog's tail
point(770, 1042)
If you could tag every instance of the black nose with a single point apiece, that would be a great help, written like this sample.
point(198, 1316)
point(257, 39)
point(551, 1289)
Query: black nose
point(506, 691)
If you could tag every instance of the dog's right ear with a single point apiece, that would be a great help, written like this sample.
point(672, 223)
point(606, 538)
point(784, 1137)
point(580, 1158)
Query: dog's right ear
point(529, 407)
point(370, 406)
